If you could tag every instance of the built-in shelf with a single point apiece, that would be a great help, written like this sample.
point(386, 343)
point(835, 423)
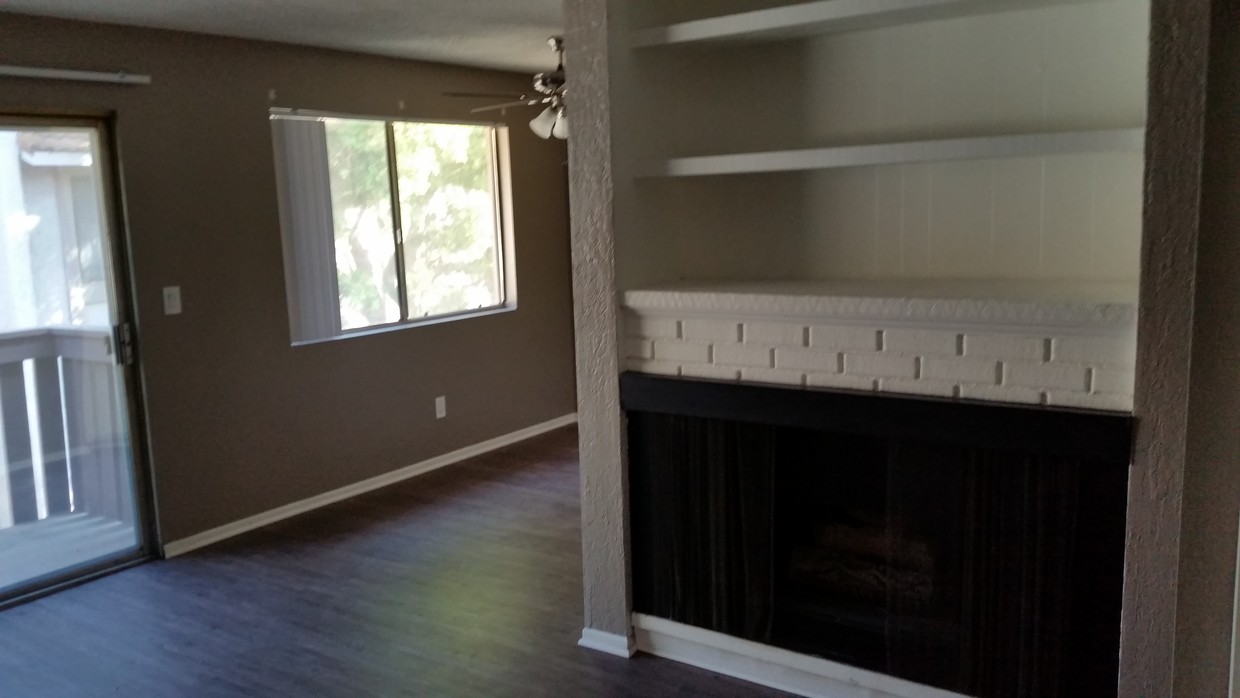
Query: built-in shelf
point(1097, 306)
point(984, 148)
point(824, 17)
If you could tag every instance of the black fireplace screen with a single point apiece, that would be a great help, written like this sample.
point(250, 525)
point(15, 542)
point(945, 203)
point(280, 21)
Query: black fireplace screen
point(990, 572)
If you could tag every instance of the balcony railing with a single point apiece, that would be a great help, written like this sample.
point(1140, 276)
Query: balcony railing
point(63, 444)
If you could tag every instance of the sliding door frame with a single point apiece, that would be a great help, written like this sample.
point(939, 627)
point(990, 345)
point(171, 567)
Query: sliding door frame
point(131, 381)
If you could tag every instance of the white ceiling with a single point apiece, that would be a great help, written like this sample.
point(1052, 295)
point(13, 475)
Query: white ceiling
point(507, 34)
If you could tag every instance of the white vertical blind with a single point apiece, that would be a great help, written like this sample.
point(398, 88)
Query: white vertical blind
point(306, 219)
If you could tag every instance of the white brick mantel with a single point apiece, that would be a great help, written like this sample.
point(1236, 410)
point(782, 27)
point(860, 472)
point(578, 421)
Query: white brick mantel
point(985, 341)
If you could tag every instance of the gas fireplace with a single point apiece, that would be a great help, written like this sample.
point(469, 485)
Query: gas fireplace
point(969, 547)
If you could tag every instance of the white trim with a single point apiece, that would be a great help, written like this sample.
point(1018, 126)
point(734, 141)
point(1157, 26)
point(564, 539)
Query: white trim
point(6, 498)
point(34, 420)
point(408, 324)
point(611, 643)
point(769, 666)
point(42, 158)
point(215, 535)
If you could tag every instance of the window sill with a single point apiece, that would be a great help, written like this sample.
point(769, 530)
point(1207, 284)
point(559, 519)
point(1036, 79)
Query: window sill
point(410, 324)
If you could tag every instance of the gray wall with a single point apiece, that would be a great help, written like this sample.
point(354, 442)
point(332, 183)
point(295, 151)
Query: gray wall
point(240, 422)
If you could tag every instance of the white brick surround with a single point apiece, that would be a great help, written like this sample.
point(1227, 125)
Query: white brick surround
point(1082, 358)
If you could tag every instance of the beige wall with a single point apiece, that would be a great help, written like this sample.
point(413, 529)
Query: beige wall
point(240, 422)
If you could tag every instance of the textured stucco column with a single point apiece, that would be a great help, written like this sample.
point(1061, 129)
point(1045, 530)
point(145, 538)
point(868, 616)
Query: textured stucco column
point(1205, 597)
point(604, 495)
point(1184, 496)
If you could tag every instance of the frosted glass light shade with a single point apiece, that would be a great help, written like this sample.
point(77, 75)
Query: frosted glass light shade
point(560, 130)
point(544, 123)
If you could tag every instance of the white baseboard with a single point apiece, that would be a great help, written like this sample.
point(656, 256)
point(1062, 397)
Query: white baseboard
point(770, 666)
point(215, 535)
point(611, 643)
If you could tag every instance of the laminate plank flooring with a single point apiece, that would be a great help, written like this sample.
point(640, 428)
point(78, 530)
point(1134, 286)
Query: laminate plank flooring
point(462, 582)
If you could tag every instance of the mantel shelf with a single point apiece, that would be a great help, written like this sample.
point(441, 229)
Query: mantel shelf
point(824, 17)
point(984, 148)
point(1063, 305)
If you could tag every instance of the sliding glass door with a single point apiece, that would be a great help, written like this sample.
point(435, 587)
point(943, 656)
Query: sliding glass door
point(69, 502)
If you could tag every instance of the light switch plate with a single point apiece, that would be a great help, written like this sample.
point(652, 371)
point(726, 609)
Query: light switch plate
point(172, 300)
point(441, 407)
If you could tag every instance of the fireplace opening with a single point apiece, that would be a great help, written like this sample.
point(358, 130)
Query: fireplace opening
point(938, 555)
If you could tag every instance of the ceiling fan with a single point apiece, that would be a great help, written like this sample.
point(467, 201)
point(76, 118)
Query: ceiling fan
point(549, 89)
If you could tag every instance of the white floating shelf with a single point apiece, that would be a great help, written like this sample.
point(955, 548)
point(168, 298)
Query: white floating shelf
point(985, 148)
point(825, 17)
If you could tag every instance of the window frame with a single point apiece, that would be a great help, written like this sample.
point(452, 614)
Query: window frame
point(501, 186)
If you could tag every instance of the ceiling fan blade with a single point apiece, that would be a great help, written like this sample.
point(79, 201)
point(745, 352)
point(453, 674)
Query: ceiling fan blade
point(507, 105)
point(487, 95)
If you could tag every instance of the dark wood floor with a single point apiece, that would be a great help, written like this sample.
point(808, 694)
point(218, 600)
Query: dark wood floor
point(462, 582)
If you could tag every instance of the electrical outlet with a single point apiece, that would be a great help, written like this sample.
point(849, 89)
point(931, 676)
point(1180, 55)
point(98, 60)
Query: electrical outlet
point(172, 300)
point(441, 407)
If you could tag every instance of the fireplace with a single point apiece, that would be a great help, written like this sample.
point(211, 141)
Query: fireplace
point(969, 547)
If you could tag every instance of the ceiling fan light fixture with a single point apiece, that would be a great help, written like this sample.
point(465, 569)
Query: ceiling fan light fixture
point(544, 124)
point(549, 89)
point(560, 129)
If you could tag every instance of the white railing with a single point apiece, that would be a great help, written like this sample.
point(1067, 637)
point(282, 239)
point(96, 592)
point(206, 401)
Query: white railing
point(86, 344)
point(62, 426)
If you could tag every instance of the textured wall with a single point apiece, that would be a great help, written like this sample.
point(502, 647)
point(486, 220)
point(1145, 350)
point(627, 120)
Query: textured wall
point(604, 487)
point(1175, 152)
point(240, 422)
point(1207, 565)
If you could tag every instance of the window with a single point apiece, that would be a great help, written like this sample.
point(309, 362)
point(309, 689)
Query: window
point(388, 222)
point(51, 243)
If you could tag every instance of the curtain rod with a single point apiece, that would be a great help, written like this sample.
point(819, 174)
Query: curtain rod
point(119, 77)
